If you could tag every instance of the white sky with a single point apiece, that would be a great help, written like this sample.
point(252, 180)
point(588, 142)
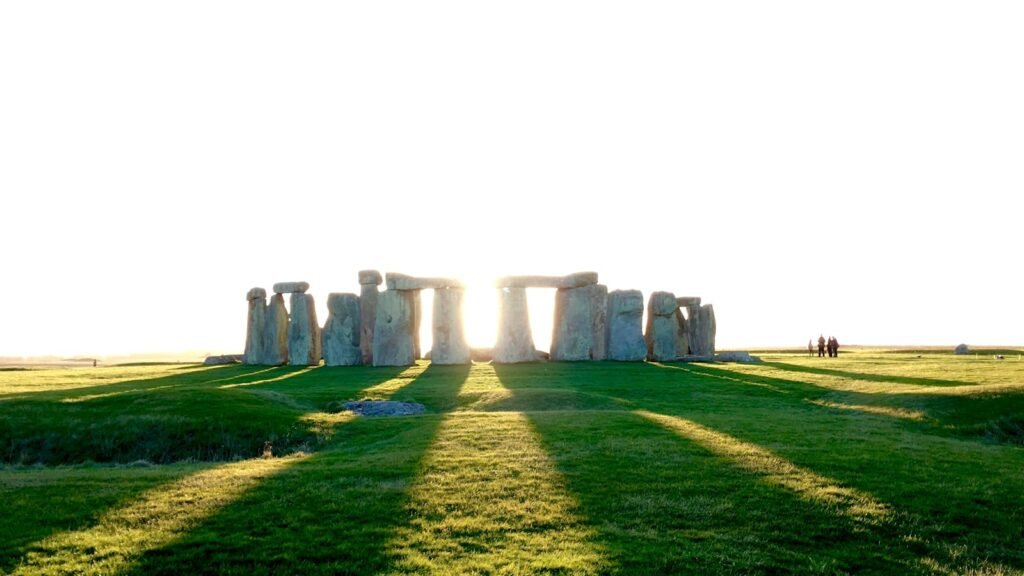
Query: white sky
point(851, 168)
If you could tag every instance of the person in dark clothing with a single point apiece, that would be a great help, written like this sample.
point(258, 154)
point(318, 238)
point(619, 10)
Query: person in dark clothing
point(835, 347)
point(828, 346)
point(821, 346)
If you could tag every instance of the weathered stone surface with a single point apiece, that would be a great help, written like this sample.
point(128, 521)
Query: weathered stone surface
point(693, 328)
point(599, 319)
point(682, 334)
point(737, 356)
point(393, 343)
point(291, 287)
point(662, 334)
point(515, 341)
point(625, 335)
point(371, 277)
point(403, 282)
point(257, 294)
point(572, 334)
point(303, 332)
point(450, 345)
point(254, 328)
point(685, 301)
point(576, 280)
point(702, 338)
point(275, 333)
point(662, 304)
point(341, 333)
point(222, 359)
point(367, 318)
point(961, 349)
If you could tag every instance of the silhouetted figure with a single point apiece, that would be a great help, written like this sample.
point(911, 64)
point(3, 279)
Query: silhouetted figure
point(810, 347)
point(821, 346)
point(835, 347)
point(93, 363)
point(828, 346)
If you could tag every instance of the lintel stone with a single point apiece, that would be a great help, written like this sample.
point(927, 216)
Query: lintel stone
point(291, 287)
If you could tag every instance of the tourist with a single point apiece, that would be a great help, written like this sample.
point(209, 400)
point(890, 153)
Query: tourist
point(810, 347)
point(821, 346)
point(835, 347)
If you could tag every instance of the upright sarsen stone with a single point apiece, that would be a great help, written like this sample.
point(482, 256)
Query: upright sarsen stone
point(515, 341)
point(341, 332)
point(572, 336)
point(303, 331)
point(275, 333)
point(662, 327)
point(702, 343)
point(368, 282)
point(625, 326)
point(255, 326)
point(393, 343)
point(599, 317)
point(450, 345)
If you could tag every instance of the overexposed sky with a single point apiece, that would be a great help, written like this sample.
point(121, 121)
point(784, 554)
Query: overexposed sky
point(847, 168)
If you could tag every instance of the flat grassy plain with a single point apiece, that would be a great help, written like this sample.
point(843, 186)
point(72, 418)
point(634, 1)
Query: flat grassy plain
point(876, 462)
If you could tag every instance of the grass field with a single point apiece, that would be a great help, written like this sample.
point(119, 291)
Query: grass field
point(877, 462)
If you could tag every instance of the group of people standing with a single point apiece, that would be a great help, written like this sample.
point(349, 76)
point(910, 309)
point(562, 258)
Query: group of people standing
point(831, 346)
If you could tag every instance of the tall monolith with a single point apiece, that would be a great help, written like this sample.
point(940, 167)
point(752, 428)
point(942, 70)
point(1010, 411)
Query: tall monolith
point(599, 319)
point(255, 325)
point(572, 335)
point(275, 333)
point(662, 328)
point(449, 338)
point(368, 291)
point(341, 333)
point(393, 343)
point(625, 326)
point(303, 332)
point(515, 341)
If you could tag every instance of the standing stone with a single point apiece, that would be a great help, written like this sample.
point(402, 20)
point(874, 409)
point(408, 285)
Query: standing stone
point(275, 333)
point(662, 328)
point(257, 320)
point(515, 341)
point(682, 334)
point(450, 345)
point(342, 331)
point(303, 332)
point(393, 329)
point(572, 336)
point(693, 326)
point(599, 318)
point(368, 282)
point(708, 328)
point(625, 326)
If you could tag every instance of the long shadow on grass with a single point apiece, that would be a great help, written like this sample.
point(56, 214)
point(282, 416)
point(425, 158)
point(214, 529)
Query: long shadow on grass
point(331, 513)
point(960, 499)
point(39, 503)
point(866, 376)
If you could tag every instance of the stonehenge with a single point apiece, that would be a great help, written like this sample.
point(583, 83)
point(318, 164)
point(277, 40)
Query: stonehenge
point(381, 327)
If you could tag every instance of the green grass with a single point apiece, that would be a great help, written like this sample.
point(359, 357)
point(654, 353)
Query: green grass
point(877, 462)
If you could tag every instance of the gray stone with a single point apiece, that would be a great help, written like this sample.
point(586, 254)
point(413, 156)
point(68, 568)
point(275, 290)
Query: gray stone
point(393, 342)
point(737, 356)
point(384, 408)
point(576, 280)
point(572, 335)
point(371, 277)
point(257, 294)
point(702, 336)
point(686, 301)
point(275, 333)
point(341, 333)
point(599, 318)
point(291, 287)
point(254, 328)
point(625, 335)
point(961, 349)
point(303, 332)
point(662, 327)
point(450, 345)
point(682, 334)
point(515, 341)
point(367, 317)
point(403, 282)
point(662, 304)
point(222, 359)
